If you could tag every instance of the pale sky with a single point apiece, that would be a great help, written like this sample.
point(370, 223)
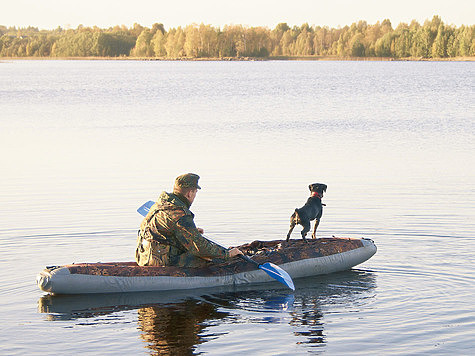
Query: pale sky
point(49, 14)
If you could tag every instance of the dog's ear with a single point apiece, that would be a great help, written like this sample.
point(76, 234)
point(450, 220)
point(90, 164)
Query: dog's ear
point(310, 187)
point(324, 187)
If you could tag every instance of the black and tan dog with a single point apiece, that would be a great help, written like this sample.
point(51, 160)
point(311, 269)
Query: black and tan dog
point(312, 210)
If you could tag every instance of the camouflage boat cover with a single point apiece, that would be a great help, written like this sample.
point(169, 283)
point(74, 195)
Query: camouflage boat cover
point(277, 251)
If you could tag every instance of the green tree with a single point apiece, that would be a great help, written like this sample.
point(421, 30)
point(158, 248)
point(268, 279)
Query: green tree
point(452, 46)
point(357, 46)
point(114, 45)
point(143, 46)
point(386, 27)
point(192, 41)
point(384, 45)
point(402, 41)
point(439, 47)
point(286, 43)
point(157, 27)
point(304, 43)
point(254, 42)
point(342, 47)
point(228, 39)
point(276, 38)
point(320, 44)
point(158, 43)
point(208, 41)
point(465, 39)
point(282, 27)
point(421, 45)
point(137, 30)
point(175, 43)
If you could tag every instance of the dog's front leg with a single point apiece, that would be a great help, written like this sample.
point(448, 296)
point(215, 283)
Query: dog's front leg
point(314, 235)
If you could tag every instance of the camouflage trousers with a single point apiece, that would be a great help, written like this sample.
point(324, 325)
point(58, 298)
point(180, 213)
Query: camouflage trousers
point(150, 252)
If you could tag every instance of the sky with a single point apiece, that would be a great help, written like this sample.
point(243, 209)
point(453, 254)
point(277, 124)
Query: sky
point(49, 14)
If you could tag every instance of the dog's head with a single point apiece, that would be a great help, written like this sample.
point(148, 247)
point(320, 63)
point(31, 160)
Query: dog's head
point(318, 188)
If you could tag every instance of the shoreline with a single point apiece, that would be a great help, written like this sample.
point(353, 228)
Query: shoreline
point(247, 59)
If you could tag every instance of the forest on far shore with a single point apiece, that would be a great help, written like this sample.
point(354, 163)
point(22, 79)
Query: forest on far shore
point(432, 39)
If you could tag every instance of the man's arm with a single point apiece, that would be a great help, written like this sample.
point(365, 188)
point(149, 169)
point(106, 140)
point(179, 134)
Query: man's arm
point(193, 241)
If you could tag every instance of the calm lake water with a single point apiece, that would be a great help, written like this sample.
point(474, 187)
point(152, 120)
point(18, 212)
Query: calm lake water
point(84, 143)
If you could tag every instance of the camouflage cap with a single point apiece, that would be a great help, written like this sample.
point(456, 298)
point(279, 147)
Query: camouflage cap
point(188, 180)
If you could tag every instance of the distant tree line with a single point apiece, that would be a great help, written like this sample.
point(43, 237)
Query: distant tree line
point(433, 39)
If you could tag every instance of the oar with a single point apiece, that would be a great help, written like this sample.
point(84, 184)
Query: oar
point(271, 269)
point(144, 209)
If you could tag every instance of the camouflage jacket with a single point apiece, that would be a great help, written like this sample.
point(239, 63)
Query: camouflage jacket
point(168, 237)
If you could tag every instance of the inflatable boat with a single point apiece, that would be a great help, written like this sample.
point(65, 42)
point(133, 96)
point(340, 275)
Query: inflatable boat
point(297, 258)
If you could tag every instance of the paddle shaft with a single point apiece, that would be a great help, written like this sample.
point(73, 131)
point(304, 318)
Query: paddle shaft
point(248, 259)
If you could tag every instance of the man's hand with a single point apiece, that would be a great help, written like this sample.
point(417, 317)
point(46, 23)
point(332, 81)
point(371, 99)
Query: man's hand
point(235, 252)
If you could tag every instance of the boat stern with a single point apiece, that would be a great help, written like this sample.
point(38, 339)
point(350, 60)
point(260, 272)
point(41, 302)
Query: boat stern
point(43, 281)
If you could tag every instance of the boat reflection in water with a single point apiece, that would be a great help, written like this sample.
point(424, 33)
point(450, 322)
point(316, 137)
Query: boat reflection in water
point(177, 322)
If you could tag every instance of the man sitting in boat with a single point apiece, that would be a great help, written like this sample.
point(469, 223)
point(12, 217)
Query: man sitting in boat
point(168, 235)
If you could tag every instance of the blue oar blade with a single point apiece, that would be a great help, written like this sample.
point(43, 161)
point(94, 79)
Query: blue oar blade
point(144, 209)
point(278, 274)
